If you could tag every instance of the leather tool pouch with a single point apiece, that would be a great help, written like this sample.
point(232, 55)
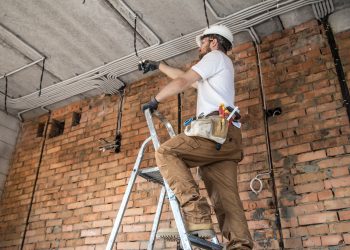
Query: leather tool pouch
point(213, 128)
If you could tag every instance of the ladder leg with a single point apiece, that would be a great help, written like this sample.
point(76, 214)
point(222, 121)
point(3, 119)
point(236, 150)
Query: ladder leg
point(126, 196)
point(186, 244)
point(156, 219)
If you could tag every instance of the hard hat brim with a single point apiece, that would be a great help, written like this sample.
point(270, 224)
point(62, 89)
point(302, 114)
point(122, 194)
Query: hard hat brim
point(198, 40)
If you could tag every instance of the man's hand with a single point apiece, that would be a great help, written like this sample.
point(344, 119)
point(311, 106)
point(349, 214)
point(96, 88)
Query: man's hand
point(152, 105)
point(147, 66)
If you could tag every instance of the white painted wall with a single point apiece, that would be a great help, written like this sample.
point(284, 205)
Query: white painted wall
point(9, 128)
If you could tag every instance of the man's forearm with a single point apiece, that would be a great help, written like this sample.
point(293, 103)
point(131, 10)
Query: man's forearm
point(176, 86)
point(170, 71)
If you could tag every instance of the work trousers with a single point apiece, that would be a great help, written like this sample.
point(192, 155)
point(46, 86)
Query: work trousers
point(218, 170)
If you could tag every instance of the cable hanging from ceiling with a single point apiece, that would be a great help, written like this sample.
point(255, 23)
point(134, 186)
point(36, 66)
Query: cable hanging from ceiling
point(5, 94)
point(205, 12)
point(42, 76)
point(135, 33)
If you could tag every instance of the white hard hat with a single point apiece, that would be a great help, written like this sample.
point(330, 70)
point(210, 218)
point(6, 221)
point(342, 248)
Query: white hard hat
point(216, 30)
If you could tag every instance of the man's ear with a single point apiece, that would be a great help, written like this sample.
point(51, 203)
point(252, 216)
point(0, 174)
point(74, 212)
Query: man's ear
point(214, 43)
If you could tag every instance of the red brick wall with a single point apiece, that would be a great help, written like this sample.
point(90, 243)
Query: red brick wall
point(79, 188)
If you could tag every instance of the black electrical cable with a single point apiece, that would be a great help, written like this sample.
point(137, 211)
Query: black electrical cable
point(269, 155)
point(135, 25)
point(118, 135)
point(179, 113)
point(6, 94)
point(205, 12)
point(338, 65)
point(42, 76)
point(35, 180)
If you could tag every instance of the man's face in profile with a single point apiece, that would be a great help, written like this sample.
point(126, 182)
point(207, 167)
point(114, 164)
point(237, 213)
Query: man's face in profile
point(205, 47)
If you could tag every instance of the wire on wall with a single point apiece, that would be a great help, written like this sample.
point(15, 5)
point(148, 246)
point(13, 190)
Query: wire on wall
point(36, 179)
point(338, 65)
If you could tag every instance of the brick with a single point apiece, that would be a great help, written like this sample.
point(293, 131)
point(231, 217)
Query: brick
point(335, 151)
point(134, 211)
point(308, 177)
point(338, 182)
point(310, 187)
point(340, 171)
point(342, 192)
point(293, 243)
point(102, 223)
point(128, 245)
point(306, 198)
point(317, 218)
point(334, 162)
point(347, 238)
point(331, 240)
point(102, 208)
point(311, 156)
point(340, 227)
point(312, 242)
point(302, 148)
point(94, 240)
point(134, 228)
point(325, 195)
point(308, 209)
point(138, 236)
point(318, 229)
point(258, 224)
point(337, 204)
point(344, 215)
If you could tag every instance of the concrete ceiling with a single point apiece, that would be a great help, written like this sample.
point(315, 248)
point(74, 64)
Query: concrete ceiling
point(89, 44)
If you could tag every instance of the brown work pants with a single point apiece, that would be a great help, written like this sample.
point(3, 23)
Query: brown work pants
point(218, 169)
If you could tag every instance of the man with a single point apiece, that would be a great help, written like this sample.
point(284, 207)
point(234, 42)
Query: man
point(213, 76)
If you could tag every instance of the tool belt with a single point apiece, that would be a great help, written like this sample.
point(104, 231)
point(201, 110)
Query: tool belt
point(213, 128)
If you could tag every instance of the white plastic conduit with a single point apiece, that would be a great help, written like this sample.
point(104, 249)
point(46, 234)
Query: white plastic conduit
point(237, 22)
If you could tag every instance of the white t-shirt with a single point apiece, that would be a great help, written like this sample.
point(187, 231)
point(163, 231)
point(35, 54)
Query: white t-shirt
point(217, 84)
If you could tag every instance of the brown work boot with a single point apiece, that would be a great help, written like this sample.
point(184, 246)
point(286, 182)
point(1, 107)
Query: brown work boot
point(204, 231)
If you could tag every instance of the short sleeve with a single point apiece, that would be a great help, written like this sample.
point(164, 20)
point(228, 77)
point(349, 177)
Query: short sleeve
point(208, 65)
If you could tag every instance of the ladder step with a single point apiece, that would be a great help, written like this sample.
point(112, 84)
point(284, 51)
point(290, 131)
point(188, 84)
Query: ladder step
point(151, 174)
point(204, 244)
point(172, 234)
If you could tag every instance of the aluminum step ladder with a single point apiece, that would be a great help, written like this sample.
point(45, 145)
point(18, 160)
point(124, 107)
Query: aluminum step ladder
point(153, 174)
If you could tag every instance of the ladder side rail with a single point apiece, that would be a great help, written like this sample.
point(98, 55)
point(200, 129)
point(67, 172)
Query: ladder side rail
point(126, 196)
point(171, 196)
point(166, 123)
point(156, 219)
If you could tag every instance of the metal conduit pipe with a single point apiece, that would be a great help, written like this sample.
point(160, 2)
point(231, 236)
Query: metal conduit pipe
point(160, 52)
point(75, 90)
point(271, 14)
point(21, 68)
point(250, 11)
